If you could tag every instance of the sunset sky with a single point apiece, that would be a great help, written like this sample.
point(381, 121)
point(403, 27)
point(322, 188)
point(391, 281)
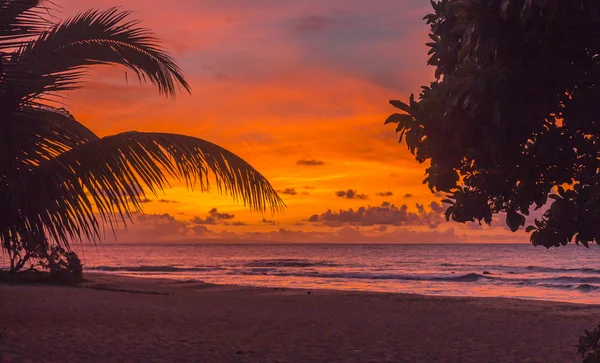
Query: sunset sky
point(300, 90)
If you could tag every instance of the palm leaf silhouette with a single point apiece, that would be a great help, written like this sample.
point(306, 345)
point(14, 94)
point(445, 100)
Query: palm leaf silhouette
point(20, 19)
point(59, 181)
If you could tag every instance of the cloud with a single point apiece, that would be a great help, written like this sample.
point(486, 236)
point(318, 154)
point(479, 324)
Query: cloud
point(437, 207)
point(386, 214)
point(288, 191)
point(214, 213)
point(214, 217)
point(434, 206)
point(149, 228)
point(311, 23)
point(207, 220)
point(238, 223)
point(499, 237)
point(385, 194)
point(167, 201)
point(408, 236)
point(200, 230)
point(350, 194)
point(267, 221)
point(311, 162)
point(347, 234)
point(381, 228)
point(408, 195)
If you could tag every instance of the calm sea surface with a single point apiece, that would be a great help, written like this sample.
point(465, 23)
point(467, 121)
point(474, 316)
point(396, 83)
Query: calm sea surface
point(565, 274)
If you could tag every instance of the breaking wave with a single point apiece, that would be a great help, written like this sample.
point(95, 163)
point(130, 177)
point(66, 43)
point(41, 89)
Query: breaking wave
point(163, 268)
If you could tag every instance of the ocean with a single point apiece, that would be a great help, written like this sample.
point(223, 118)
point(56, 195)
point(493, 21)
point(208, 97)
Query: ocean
point(569, 274)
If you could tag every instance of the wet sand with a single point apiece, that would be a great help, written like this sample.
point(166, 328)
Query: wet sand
point(120, 319)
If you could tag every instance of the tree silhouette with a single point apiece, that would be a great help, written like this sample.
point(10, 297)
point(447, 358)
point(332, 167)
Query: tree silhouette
point(512, 117)
point(60, 182)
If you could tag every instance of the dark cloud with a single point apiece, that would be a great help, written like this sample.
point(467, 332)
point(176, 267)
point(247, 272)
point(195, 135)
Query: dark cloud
point(310, 23)
point(151, 228)
point(207, 220)
point(408, 195)
point(310, 162)
point(167, 201)
point(214, 213)
point(200, 230)
point(222, 76)
point(385, 194)
point(386, 214)
point(214, 217)
point(237, 223)
point(437, 207)
point(351, 194)
point(288, 191)
point(267, 221)
point(434, 206)
point(474, 225)
point(146, 200)
point(155, 227)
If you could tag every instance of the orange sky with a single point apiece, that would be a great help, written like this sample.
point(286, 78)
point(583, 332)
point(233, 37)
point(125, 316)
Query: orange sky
point(285, 84)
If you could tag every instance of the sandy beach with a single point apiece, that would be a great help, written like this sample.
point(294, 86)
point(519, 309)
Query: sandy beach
point(120, 319)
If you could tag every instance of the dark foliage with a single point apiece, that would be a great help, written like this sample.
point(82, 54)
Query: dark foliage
point(47, 264)
point(65, 266)
point(589, 346)
point(512, 117)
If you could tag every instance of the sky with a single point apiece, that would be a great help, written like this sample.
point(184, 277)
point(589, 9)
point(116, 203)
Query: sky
point(300, 90)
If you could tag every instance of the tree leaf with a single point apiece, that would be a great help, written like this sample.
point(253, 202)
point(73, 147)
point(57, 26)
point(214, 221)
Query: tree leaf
point(401, 105)
point(530, 228)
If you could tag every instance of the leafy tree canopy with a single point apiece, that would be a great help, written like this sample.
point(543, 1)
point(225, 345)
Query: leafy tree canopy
point(513, 115)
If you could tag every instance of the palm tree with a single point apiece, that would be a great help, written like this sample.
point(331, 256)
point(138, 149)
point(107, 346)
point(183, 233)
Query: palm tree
point(59, 182)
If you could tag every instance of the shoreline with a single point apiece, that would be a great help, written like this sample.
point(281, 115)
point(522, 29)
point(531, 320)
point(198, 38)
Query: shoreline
point(113, 318)
point(165, 279)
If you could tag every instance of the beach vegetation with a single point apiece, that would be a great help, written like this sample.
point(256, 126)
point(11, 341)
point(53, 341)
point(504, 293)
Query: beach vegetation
point(589, 346)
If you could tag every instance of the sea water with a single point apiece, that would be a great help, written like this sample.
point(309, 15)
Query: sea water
point(570, 274)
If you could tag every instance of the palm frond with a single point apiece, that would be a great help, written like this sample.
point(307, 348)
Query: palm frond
point(20, 19)
point(32, 135)
point(111, 173)
point(56, 60)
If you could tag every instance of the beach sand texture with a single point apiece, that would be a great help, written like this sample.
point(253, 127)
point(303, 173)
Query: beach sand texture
point(121, 319)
